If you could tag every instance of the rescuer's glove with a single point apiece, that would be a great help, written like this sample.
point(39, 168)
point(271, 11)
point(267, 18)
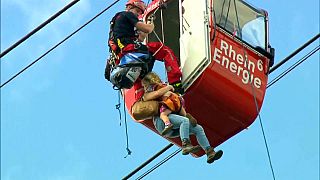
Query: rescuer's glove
point(178, 87)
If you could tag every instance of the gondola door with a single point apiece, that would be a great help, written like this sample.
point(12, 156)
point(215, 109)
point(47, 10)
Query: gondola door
point(194, 40)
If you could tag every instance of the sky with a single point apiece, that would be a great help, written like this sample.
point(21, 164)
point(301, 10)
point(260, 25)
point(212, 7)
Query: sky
point(59, 122)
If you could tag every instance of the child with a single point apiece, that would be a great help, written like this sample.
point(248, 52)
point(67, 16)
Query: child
point(170, 101)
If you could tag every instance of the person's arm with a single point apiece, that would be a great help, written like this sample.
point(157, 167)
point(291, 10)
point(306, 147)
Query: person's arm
point(146, 28)
point(142, 36)
point(141, 26)
point(156, 94)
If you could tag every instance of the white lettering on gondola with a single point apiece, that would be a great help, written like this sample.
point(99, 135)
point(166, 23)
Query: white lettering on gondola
point(227, 57)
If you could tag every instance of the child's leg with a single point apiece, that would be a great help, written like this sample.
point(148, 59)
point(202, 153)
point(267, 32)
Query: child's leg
point(168, 126)
point(164, 116)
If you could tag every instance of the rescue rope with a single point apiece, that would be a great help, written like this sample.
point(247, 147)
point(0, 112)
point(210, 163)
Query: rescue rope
point(224, 1)
point(254, 94)
point(118, 106)
point(125, 119)
point(225, 22)
point(185, 20)
point(162, 28)
point(214, 24)
point(154, 32)
point(157, 36)
point(58, 44)
point(126, 126)
point(160, 41)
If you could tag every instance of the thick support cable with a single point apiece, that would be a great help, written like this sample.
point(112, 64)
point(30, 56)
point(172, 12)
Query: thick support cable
point(58, 44)
point(147, 162)
point(293, 66)
point(38, 28)
point(159, 164)
point(294, 53)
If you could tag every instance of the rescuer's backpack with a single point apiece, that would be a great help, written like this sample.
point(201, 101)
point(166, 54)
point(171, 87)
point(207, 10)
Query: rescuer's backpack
point(132, 66)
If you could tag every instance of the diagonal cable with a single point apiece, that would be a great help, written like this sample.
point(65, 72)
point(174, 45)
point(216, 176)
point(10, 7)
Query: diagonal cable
point(159, 164)
point(293, 66)
point(58, 44)
point(294, 53)
point(38, 28)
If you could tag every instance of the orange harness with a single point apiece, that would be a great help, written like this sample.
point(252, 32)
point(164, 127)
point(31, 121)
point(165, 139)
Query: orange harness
point(172, 102)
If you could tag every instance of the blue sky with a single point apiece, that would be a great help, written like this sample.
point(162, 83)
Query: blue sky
point(59, 122)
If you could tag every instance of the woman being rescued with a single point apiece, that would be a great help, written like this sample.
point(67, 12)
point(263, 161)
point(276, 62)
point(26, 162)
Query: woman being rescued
point(172, 121)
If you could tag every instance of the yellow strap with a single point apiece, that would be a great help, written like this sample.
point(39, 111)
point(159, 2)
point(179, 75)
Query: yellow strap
point(120, 45)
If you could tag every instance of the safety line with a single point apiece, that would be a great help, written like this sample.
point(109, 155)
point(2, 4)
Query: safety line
point(38, 28)
point(118, 106)
point(215, 21)
point(154, 32)
point(162, 28)
point(225, 22)
point(59, 44)
point(126, 126)
point(254, 94)
point(224, 1)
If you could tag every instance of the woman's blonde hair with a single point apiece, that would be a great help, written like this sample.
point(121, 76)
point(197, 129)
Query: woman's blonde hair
point(150, 79)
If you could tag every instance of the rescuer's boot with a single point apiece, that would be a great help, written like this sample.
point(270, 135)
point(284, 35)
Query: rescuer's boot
point(212, 155)
point(188, 148)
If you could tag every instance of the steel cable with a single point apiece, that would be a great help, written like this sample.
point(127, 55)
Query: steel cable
point(58, 44)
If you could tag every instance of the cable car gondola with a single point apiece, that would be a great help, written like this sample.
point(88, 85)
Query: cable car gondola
point(224, 56)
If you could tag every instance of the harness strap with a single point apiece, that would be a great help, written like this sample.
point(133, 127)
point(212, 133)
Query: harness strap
point(132, 65)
